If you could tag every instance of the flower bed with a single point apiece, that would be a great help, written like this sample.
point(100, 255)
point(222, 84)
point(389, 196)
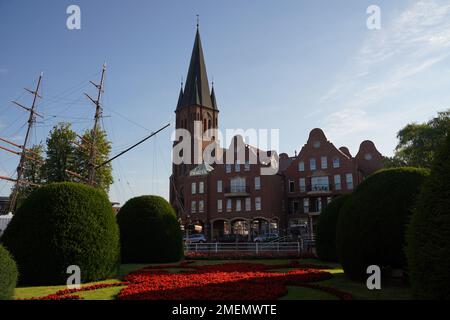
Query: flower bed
point(229, 281)
point(226, 281)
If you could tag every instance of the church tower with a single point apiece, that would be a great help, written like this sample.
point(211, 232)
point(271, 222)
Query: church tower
point(196, 102)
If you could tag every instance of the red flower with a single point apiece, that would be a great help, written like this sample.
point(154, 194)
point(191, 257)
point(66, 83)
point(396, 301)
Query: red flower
point(230, 281)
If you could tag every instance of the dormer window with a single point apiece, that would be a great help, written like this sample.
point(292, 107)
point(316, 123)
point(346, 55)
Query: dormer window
point(316, 144)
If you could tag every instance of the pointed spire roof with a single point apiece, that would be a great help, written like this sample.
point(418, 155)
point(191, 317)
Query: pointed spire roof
point(213, 97)
point(196, 90)
point(180, 97)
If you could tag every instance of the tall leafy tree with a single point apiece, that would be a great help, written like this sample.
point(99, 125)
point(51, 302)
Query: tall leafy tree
point(60, 153)
point(102, 146)
point(418, 142)
point(33, 171)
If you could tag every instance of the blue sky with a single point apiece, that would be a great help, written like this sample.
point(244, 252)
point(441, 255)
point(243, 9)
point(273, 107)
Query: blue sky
point(289, 65)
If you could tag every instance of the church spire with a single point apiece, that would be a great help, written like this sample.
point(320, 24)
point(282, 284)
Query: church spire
point(180, 96)
point(196, 90)
point(213, 97)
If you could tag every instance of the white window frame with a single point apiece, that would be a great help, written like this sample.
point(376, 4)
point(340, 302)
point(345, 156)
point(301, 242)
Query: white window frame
point(201, 187)
point(219, 205)
point(228, 168)
point(201, 206)
point(193, 206)
point(337, 182)
point(349, 182)
point(312, 164)
point(324, 162)
point(229, 205)
point(258, 183)
point(219, 186)
point(194, 187)
point(302, 184)
point(238, 205)
point(301, 166)
point(258, 204)
point(238, 184)
point(321, 183)
point(336, 162)
point(248, 204)
point(305, 205)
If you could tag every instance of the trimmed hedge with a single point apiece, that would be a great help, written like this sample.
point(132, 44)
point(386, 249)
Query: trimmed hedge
point(8, 274)
point(371, 225)
point(428, 234)
point(63, 224)
point(326, 229)
point(149, 231)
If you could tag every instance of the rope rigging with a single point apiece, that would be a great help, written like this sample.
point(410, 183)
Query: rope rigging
point(51, 103)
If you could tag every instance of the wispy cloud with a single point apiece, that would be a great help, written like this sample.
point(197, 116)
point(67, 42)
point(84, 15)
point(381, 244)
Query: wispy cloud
point(413, 42)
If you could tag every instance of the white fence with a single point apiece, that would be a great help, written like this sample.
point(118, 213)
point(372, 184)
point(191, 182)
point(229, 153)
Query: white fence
point(250, 247)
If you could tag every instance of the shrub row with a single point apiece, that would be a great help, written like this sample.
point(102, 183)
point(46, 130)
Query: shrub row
point(396, 218)
point(65, 224)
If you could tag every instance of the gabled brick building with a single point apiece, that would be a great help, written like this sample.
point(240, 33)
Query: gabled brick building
point(235, 198)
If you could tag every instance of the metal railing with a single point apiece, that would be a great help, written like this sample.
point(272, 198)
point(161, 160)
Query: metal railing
point(318, 187)
point(250, 247)
point(237, 189)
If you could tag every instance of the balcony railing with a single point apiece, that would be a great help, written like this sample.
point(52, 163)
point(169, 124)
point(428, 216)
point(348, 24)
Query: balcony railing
point(237, 191)
point(318, 188)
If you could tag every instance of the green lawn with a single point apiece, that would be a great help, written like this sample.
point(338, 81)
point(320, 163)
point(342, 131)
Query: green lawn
point(389, 290)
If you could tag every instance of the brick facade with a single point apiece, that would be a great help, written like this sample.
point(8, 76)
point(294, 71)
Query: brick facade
point(222, 199)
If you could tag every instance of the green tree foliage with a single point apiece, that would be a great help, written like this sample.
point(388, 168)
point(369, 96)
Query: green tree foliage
point(60, 153)
point(8, 274)
point(428, 234)
point(66, 152)
point(149, 231)
point(33, 171)
point(103, 175)
point(372, 222)
point(326, 229)
point(418, 142)
point(63, 224)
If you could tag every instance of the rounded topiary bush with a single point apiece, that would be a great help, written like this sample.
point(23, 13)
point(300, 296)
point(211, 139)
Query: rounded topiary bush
point(326, 229)
point(63, 224)
point(8, 274)
point(371, 225)
point(149, 231)
point(428, 234)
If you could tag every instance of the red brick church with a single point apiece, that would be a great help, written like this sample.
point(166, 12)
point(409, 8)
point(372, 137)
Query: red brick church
point(221, 199)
